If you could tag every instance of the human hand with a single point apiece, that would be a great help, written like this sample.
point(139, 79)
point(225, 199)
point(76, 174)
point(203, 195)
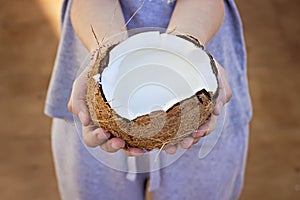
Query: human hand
point(225, 95)
point(94, 136)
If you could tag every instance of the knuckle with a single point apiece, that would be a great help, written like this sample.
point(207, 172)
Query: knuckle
point(75, 83)
point(230, 93)
point(107, 147)
point(89, 141)
point(70, 108)
point(104, 147)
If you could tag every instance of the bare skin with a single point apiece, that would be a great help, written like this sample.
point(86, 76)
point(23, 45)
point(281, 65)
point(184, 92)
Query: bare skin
point(204, 17)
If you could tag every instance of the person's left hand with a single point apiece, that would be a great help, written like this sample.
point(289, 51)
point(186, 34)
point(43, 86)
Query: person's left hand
point(225, 95)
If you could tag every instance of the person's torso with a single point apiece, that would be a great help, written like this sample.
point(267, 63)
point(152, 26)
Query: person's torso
point(227, 47)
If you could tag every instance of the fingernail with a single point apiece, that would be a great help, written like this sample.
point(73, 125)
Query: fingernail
point(171, 149)
point(103, 134)
point(81, 116)
point(106, 134)
point(115, 146)
point(187, 140)
point(195, 134)
point(136, 152)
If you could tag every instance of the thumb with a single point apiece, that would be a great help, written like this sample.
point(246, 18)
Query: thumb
point(77, 103)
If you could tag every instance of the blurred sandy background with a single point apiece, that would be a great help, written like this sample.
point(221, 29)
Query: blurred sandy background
point(29, 32)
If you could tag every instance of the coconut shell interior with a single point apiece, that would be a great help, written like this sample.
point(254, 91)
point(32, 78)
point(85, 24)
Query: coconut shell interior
point(154, 130)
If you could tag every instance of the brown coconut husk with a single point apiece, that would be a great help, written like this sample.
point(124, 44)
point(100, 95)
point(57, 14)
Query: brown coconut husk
point(158, 128)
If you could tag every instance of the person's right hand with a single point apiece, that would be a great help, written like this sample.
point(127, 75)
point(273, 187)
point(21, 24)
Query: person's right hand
point(94, 136)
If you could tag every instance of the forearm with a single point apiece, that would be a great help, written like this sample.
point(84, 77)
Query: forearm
point(96, 13)
point(199, 18)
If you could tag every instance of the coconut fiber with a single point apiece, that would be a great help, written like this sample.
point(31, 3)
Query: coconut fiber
point(156, 129)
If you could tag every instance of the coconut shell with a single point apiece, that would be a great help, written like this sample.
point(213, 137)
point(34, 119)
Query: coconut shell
point(157, 129)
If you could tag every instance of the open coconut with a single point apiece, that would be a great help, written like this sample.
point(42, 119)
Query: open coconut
point(152, 89)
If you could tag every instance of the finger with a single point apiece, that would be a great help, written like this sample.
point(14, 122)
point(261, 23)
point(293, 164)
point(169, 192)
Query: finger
point(202, 130)
point(70, 103)
point(212, 124)
point(225, 92)
point(78, 93)
point(77, 103)
point(206, 128)
point(84, 117)
point(171, 149)
point(224, 87)
point(187, 142)
point(227, 88)
point(196, 140)
point(113, 145)
point(79, 108)
point(221, 100)
point(94, 136)
point(199, 133)
point(218, 108)
point(133, 151)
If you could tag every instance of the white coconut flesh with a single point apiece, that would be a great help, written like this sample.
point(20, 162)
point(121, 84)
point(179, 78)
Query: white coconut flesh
point(152, 71)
